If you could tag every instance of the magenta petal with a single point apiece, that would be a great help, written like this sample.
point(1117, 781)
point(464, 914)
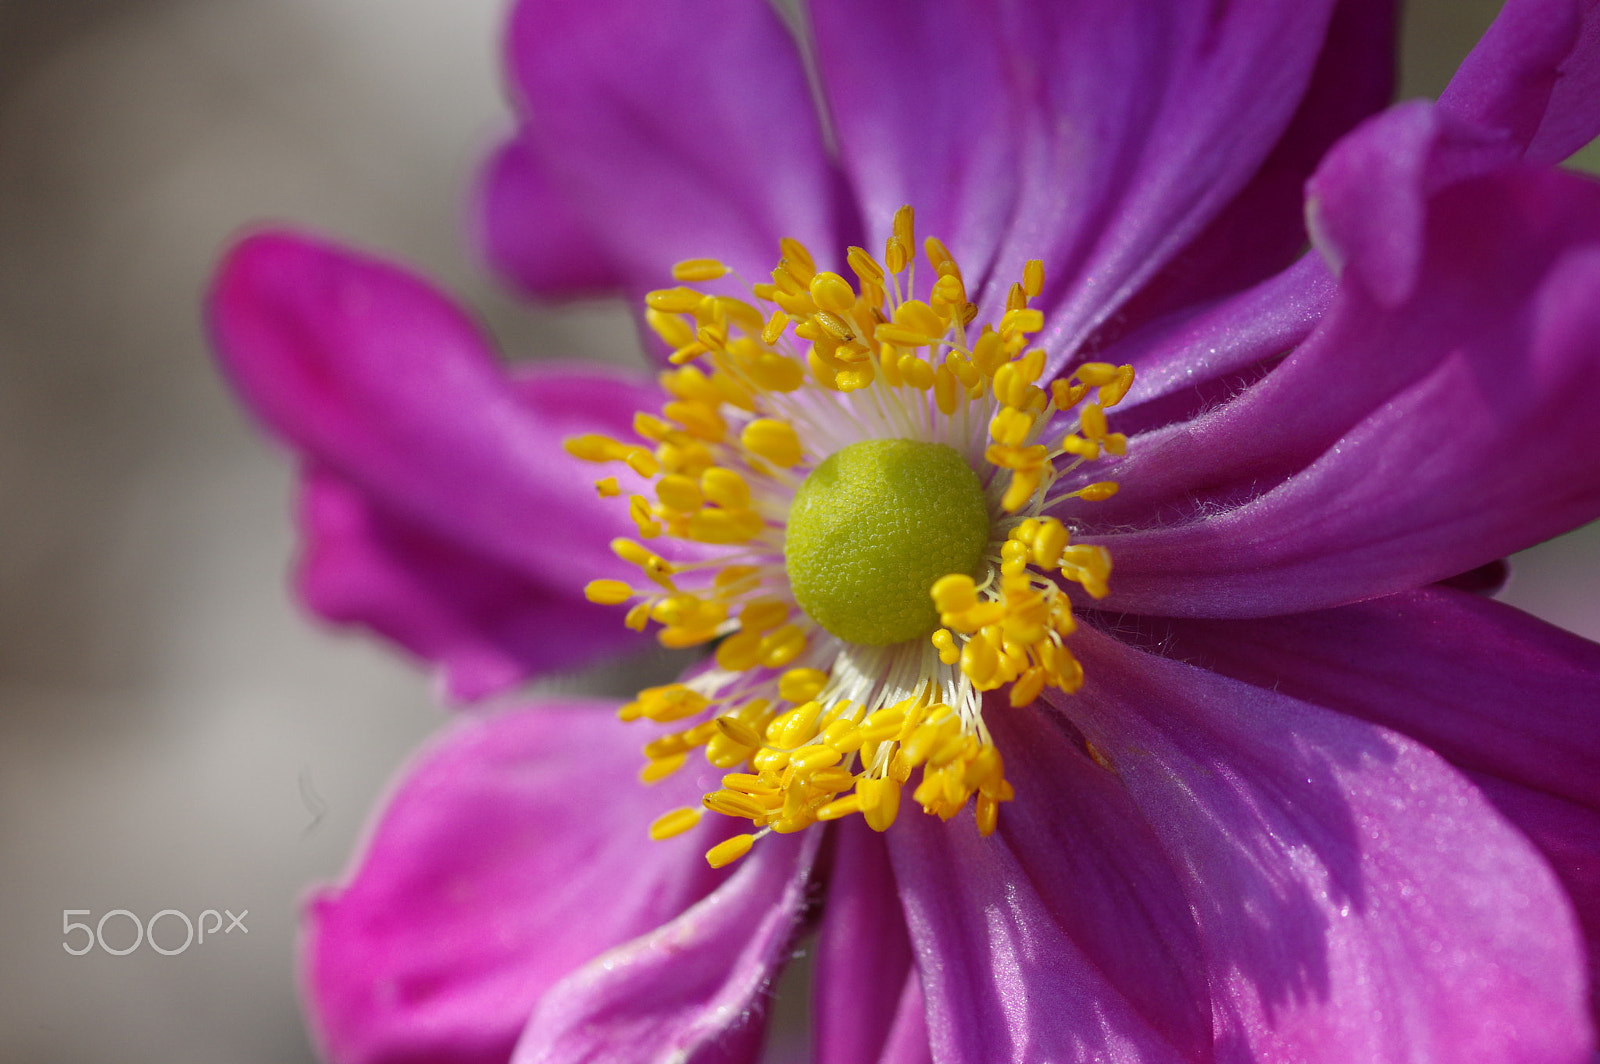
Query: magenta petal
point(980, 117)
point(1355, 897)
point(484, 625)
point(643, 115)
point(694, 990)
point(1067, 935)
point(1485, 685)
point(1491, 448)
point(863, 957)
point(484, 883)
point(908, 1041)
point(1263, 229)
point(1510, 699)
point(531, 234)
point(1535, 76)
point(1182, 353)
point(375, 376)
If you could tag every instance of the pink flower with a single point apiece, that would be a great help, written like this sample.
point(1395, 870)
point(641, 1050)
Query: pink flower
point(1314, 799)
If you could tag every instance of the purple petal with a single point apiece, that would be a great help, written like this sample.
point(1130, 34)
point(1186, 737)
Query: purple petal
point(1568, 835)
point(1367, 205)
point(1495, 353)
point(863, 958)
point(491, 874)
point(642, 117)
point(531, 233)
point(693, 990)
point(1355, 898)
point(1385, 170)
point(484, 625)
point(1263, 228)
point(1536, 77)
point(908, 1041)
point(1067, 935)
point(984, 119)
point(376, 377)
point(1181, 354)
point(1510, 699)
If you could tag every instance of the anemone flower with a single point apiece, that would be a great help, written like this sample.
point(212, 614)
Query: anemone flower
point(1093, 585)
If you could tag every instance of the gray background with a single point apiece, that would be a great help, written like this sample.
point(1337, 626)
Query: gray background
point(174, 732)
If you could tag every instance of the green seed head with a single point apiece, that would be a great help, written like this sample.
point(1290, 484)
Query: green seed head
point(873, 527)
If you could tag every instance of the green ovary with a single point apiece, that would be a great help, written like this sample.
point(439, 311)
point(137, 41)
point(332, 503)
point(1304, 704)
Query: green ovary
point(873, 527)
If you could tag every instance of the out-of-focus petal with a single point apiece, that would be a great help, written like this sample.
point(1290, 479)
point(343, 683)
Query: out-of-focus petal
point(863, 956)
point(485, 881)
point(485, 626)
point(1534, 76)
point(530, 233)
point(1099, 136)
point(1513, 701)
point(1065, 936)
point(693, 991)
point(672, 130)
point(1355, 897)
point(375, 376)
point(1440, 433)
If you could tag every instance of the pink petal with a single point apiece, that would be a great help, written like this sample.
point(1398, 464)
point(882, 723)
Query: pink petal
point(863, 960)
point(376, 377)
point(693, 990)
point(489, 877)
point(1355, 897)
point(530, 232)
point(484, 625)
point(983, 118)
point(1263, 229)
point(1065, 936)
point(669, 130)
point(1327, 481)
point(1513, 701)
point(1536, 76)
point(1181, 354)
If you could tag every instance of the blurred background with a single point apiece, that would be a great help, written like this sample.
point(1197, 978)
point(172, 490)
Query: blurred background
point(174, 732)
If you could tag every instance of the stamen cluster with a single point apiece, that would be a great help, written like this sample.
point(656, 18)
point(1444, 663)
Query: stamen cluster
point(822, 728)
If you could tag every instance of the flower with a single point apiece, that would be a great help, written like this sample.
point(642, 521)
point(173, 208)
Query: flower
point(1313, 797)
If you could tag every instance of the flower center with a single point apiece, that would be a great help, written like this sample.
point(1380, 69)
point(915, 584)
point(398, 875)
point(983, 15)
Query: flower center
point(873, 527)
point(879, 498)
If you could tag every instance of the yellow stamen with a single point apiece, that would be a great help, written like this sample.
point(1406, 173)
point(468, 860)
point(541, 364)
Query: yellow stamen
point(761, 396)
point(674, 823)
point(698, 270)
point(726, 852)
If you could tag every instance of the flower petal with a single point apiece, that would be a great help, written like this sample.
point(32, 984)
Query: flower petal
point(1180, 355)
point(488, 877)
point(1099, 136)
point(378, 378)
point(1453, 428)
point(1355, 898)
point(1513, 701)
point(530, 232)
point(1263, 229)
point(1065, 936)
point(673, 130)
point(863, 957)
point(484, 625)
point(1535, 76)
point(692, 990)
